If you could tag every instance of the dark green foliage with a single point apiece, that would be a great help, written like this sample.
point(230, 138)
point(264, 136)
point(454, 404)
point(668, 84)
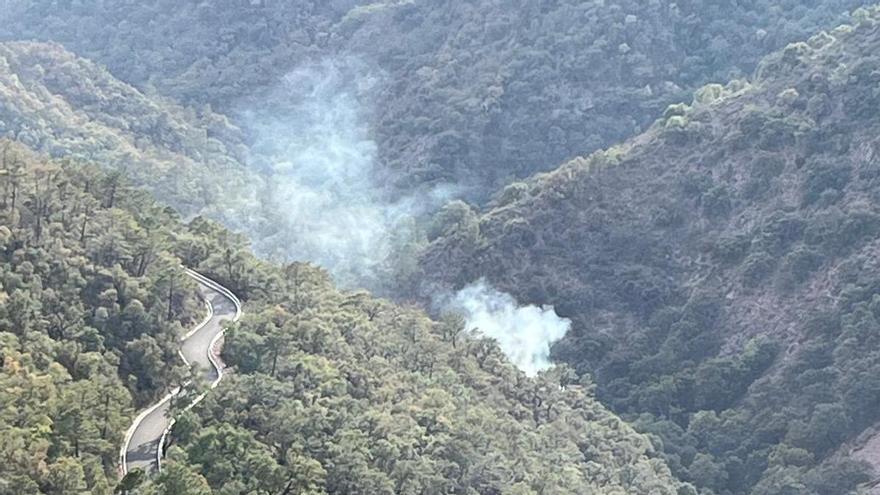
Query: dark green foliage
point(337, 392)
point(825, 178)
point(757, 268)
point(763, 171)
point(775, 229)
point(65, 106)
point(798, 265)
point(662, 262)
point(330, 392)
point(475, 93)
point(731, 249)
point(91, 305)
point(716, 202)
point(827, 426)
point(131, 481)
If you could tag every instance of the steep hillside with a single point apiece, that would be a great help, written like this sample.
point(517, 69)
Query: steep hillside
point(720, 269)
point(331, 392)
point(67, 106)
point(194, 51)
point(481, 93)
point(339, 393)
point(91, 306)
point(473, 93)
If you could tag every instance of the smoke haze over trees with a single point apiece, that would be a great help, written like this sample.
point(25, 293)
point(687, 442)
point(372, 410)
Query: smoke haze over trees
point(333, 392)
point(723, 288)
point(645, 233)
point(416, 102)
point(475, 93)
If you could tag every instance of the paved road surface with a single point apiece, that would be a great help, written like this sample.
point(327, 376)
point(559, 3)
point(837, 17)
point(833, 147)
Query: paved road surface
point(141, 451)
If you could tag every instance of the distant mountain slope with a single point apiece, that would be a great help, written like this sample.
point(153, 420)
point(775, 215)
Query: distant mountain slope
point(58, 103)
point(721, 268)
point(202, 52)
point(481, 93)
point(474, 93)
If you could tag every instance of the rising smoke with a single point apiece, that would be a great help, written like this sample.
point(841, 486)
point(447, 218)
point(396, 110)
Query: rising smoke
point(524, 333)
point(325, 201)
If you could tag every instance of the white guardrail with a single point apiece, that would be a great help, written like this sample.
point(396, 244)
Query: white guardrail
point(123, 452)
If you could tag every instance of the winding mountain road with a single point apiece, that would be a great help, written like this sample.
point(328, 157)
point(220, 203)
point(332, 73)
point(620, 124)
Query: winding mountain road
point(141, 447)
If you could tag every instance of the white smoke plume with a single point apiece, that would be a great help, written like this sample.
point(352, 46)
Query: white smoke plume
point(524, 333)
point(326, 201)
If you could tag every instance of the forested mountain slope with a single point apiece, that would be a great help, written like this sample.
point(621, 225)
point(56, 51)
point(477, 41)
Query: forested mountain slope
point(484, 92)
point(63, 105)
point(330, 392)
point(342, 393)
point(473, 93)
point(92, 300)
point(721, 269)
point(202, 52)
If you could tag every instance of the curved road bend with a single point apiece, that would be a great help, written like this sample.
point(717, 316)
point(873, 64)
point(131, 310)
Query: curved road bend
point(142, 450)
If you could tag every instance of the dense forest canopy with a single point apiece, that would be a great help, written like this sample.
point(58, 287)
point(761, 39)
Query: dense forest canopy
point(92, 301)
point(723, 284)
point(66, 106)
point(342, 393)
point(474, 93)
point(437, 100)
point(707, 246)
point(440, 100)
point(332, 392)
